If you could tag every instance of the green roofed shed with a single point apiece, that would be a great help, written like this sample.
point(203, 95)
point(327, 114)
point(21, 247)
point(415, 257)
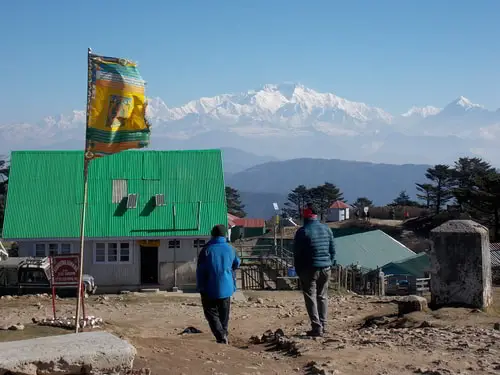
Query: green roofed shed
point(46, 192)
point(149, 213)
point(416, 265)
point(369, 250)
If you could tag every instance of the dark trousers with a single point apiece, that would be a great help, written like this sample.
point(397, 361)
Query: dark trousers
point(314, 284)
point(217, 314)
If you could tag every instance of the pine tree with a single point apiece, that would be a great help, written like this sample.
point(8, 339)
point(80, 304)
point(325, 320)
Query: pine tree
point(234, 205)
point(362, 202)
point(427, 194)
point(297, 200)
point(465, 174)
point(403, 199)
point(324, 195)
point(442, 178)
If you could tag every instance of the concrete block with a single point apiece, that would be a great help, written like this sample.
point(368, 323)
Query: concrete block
point(92, 353)
point(460, 265)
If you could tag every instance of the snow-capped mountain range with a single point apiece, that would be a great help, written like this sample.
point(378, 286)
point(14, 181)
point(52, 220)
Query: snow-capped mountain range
point(290, 120)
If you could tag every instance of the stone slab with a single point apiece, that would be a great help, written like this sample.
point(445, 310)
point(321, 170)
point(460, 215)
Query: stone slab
point(149, 290)
point(93, 353)
point(460, 265)
point(460, 226)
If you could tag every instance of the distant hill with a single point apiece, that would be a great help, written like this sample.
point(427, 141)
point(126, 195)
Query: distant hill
point(236, 160)
point(260, 205)
point(379, 182)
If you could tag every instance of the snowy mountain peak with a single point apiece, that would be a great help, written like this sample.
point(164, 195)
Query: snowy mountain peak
point(422, 111)
point(279, 112)
point(287, 89)
point(464, 103)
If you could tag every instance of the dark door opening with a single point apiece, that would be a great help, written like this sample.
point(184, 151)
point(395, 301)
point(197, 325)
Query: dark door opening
point(149, 265)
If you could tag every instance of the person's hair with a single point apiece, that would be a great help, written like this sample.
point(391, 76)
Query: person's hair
point(219, 231)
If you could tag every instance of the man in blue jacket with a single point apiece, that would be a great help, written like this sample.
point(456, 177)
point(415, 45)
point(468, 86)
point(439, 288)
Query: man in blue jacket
point(217, 262)
point(314, 253)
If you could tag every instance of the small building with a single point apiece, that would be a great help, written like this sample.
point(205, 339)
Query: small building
point(417, 266)
point(148, 212)
point(369, 250)
point(338, 211)
point(246, 227)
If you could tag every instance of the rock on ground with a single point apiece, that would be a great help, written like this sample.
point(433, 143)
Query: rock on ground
point(411, 304)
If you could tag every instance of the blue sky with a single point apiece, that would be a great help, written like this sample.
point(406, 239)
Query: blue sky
point(388, 53)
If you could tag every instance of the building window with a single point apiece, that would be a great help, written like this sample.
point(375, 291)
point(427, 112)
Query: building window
point(51, 249)
point(174, 244)
point(100, 253)
point(112, 252)
point(40, 250)
point(125, 252)
point(198, 243)
point(65, 248)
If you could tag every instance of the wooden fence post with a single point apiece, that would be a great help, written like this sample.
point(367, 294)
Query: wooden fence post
point(339, 273)
point(261, 273)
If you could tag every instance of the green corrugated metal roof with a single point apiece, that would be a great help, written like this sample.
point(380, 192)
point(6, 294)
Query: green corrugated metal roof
point(46, 192)
point(369, 250)
point(415, 265)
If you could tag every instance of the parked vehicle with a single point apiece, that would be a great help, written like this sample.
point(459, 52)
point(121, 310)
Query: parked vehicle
point(22, 275)
point(400, 285)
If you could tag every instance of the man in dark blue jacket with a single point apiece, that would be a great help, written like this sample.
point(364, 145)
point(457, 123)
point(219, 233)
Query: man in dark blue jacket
point(217, 262)
point(314, 253)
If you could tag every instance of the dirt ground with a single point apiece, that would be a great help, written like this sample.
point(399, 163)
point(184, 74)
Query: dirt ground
point(365, 337)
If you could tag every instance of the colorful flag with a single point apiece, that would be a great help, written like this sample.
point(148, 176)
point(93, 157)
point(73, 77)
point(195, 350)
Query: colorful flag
point(116, 111)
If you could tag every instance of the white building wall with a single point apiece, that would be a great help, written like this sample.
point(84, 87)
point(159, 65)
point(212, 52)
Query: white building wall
point(113, 277)
point(183, 260)
point(333, 214)
point(337, 214)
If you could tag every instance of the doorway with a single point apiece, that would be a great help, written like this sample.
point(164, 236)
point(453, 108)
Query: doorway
point(149, 265)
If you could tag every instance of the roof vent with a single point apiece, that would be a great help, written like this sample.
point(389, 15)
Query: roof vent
point(159, 200)
point(132, 201)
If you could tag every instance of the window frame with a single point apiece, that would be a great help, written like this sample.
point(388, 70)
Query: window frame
point(35, 245)
point(118, 255)
point(197, 242)
point(176, 244)
point(47, 246)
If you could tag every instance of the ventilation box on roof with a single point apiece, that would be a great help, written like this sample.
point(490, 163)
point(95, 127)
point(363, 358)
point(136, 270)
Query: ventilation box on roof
point(119, 190)
point(159, 200)
point(132, 201)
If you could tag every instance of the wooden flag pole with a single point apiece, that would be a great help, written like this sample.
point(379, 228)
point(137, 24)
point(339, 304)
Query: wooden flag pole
point(86, 162)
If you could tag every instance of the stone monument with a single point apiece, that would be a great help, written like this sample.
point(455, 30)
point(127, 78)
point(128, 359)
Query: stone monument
point(460, 265)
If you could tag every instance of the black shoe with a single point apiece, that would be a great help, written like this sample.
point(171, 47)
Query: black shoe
point(314, 333)
point(223, 341)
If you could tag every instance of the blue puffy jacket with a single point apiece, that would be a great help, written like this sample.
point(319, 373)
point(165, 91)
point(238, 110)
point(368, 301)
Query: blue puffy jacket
point(314, 246)
point(217, 262)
